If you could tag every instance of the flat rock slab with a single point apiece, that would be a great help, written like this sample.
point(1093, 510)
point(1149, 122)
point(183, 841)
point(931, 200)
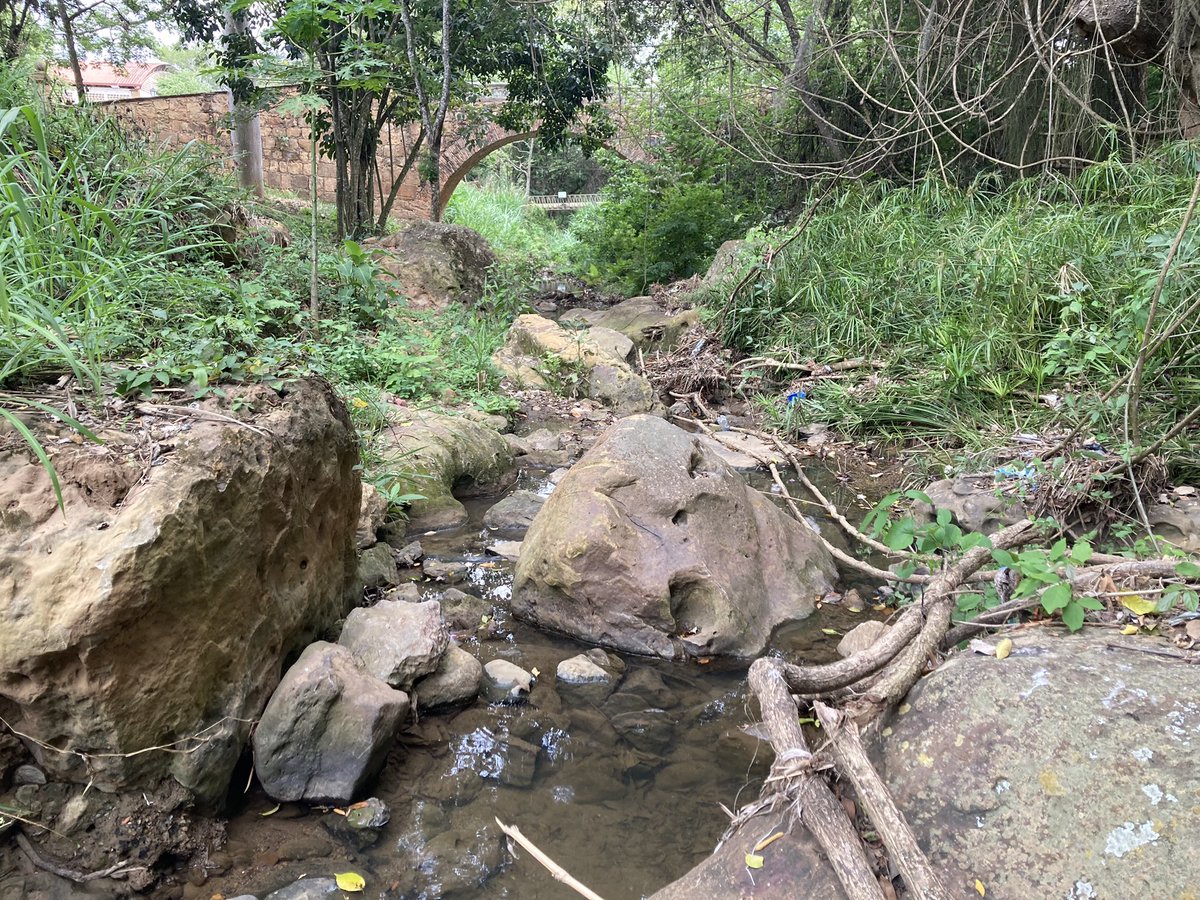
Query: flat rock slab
point(639, 319)
point(1066, 770)
point(326, 731)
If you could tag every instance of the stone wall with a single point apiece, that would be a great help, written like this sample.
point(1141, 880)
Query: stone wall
point(470, 136)
point(174, 121)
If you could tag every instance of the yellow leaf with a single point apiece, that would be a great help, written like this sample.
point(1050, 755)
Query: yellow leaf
point(1129, 629)
point(1138, 605)
point(350, 881)
point(767, 842)
point(754, 861)
point(270, 812)
point(1004, 648)
point(980, 889)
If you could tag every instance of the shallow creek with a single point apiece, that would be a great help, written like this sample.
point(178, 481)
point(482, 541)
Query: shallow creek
point(625, 809)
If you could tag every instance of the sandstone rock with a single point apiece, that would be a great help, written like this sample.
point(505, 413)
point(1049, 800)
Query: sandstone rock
point(440, 457)
point(861, 636)
point(581, 670)
point(794, 867)
point(651, 543)
point(409, 555)
point(326, 731)
point(503, 681)
point(463, 611)
point(434, 264)
point(1177, 522)
point(395, 641)
point(172, 615)
point(973, 502)
point(376, 567)
point(455, 680)
point(639, 319)
point(723, 264)
point(448, 571)
point(307, 889)
point(515, 760)
point(28, 775)
point(510, 550)
point(743, 451)
point(540, 354)
point(515, 513)
point(1097, 746)
point(372, 511)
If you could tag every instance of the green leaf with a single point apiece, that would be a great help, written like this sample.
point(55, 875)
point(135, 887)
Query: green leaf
point(1081, 553)
point(899, 535)
point(1004, 558)
point(1056, 597)
point(1072, 616)
point(1187, 569)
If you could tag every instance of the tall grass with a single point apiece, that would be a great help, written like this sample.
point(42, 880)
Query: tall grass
point(981, 300)
point(516, 230)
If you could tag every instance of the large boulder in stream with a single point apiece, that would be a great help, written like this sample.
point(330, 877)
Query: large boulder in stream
point(1066, 770)
point(639, 318)
point(541, 354)
point(434, 264)
point(441, 458)
point(326, 732)
point(652, 544)
point(162, 613)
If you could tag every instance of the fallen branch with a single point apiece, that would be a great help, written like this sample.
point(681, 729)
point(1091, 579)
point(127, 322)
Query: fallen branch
point(818, 808)
point(872, 793)
point(560, 874)
point(119, 870)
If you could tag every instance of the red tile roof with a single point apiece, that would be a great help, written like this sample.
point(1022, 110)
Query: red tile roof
point(131, 75)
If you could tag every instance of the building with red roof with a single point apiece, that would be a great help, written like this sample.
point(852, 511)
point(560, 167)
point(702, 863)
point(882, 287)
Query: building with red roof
point(105, 81)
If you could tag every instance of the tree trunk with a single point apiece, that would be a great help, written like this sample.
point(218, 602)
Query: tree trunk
point(72, 53)
point(247, 133)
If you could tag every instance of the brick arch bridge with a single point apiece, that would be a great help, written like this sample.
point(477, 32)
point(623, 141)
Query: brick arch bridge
point(204, 118)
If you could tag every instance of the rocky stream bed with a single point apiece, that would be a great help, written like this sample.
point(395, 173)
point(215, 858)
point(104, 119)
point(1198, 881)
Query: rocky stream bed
point(225, 674)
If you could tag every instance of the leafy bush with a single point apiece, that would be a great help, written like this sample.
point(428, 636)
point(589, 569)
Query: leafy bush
point(653, 224)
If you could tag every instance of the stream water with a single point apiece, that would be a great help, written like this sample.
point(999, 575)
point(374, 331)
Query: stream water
point(623, 791)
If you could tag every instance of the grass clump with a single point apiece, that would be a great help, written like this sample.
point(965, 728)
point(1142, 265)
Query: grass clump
point(991, 309)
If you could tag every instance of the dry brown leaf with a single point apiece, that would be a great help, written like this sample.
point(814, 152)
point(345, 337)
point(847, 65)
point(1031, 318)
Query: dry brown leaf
point(1193, 629)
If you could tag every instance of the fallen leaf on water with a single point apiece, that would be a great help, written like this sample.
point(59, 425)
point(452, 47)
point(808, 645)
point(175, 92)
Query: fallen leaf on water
point(1129, 629)
point(833, 631)
point(754, 861)
point(1004, 648)
point(979, 888)
point(535, 672)
point(854, 609)
point(270, 812)
point(703, 660)
point(350, 881)
point(1138, 605)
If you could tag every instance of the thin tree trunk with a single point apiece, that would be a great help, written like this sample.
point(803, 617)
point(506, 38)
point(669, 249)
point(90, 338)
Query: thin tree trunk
point(247, 133)
point(72, 53)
